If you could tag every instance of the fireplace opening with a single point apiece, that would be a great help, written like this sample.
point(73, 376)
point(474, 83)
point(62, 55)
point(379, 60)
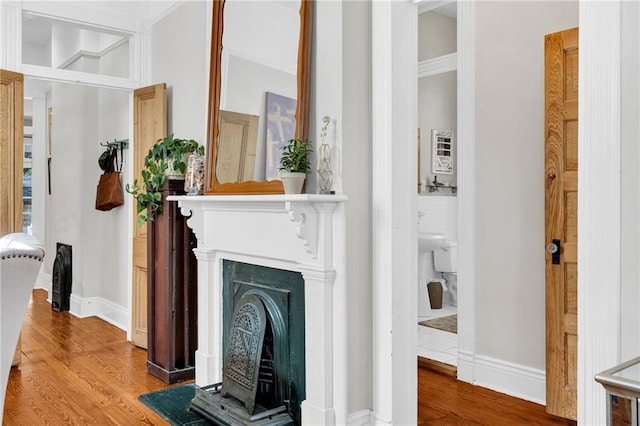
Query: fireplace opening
point(263, 341)
point(62, 278)
point(266, 395)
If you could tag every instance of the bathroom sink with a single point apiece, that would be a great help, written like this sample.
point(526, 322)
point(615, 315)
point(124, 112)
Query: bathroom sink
point(429, 241)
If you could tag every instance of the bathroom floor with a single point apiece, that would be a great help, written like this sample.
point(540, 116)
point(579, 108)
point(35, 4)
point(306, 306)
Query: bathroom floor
point(436, 344)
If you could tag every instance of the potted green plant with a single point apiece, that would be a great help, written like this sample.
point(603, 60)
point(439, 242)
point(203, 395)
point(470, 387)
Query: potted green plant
point(167, 159)
point(294, 165)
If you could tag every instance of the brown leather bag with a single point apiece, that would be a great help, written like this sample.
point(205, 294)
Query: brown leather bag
point(109, 194)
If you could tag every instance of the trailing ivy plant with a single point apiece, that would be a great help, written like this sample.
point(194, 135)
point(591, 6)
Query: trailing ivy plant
point(295, 156)
point(164, 153)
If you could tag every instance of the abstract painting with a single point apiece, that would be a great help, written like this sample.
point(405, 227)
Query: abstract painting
point(281, 124)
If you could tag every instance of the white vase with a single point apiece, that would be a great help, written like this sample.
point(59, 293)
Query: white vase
point(292, 181)
point(172, 173)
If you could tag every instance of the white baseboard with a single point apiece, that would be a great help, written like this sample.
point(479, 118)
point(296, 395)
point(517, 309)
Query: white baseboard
point(505, 377)
point(359, 418)
point(512, 379)
point(96, 306)
point(43, 282)
point(466, 366)
point(90, 306)
point(376, 420)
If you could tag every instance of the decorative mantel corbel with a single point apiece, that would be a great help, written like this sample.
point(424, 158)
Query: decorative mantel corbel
point(195, 222)
point(305, 218)
point(314, 226)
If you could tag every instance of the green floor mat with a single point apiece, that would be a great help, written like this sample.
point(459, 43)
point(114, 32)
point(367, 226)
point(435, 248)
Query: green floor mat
point(173, 405)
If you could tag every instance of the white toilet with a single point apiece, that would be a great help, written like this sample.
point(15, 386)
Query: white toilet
point(445, 261)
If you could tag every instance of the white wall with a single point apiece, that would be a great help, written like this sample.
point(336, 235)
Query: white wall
point(84, 117)
point(36, 54)
point(66, 41)
point(113, 124)
point(437, 94)
point(437, 109)
point(264, 32)
point(630, 181)
point(180, 45)
point(510, 320)
point(67, 183)
point(436, 35)
point(356, 165)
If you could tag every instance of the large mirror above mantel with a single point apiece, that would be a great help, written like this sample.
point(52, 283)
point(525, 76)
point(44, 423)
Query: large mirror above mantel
point(258, 91)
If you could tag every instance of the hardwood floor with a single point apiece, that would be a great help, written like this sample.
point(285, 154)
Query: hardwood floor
point(84, 372)
point(443, 400)
point(77, 371)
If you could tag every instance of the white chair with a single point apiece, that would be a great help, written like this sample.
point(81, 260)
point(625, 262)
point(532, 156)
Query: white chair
point(20, 259)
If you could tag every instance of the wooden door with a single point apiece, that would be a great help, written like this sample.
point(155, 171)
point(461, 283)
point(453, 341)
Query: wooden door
point(561, 221)
point(149, 125)
point(11, 150)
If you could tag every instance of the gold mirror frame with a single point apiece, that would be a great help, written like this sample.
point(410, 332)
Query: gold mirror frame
point(212, 185)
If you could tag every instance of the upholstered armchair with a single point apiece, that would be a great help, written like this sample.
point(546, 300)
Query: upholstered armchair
point(20, 259)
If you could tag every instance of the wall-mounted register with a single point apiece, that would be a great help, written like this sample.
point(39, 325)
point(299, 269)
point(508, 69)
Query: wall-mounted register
point(442, 152)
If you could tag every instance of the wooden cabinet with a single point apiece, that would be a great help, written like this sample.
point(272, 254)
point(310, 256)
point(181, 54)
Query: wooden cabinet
point(172, 292)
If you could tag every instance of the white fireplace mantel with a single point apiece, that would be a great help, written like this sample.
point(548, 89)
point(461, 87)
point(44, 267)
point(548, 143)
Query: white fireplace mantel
point(303, 233)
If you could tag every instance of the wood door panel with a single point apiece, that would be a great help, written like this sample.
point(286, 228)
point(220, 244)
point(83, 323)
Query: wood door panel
point(571, 76)
point(139, 333)
point(561, 220)
point(571, 150)
point(571, 217)
point(149, 125)
point(11, 150)
point(236, 161)
point(571, 296)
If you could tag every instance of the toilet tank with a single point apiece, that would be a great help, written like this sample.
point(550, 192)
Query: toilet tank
point(445, 258)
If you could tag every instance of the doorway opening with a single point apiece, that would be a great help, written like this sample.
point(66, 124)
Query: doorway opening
point(437, 181)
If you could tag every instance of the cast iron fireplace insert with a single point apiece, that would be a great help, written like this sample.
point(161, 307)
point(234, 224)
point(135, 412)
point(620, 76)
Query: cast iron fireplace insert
point(263, 338)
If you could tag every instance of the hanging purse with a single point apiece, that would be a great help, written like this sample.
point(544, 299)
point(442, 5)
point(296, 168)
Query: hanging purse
point(109, 193)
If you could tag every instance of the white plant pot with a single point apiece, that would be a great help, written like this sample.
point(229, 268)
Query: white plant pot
point(292, 181)
point(172, 173)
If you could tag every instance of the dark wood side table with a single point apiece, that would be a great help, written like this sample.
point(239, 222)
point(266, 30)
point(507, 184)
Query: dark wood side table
point(172, 292)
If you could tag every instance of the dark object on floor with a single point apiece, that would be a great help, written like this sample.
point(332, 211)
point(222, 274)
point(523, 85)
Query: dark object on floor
point(449, 323)
point(173, 405)
point(434, 288)
point(62, 278)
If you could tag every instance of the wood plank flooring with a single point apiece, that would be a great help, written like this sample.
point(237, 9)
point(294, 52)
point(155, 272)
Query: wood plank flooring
point(77, 371)
point(84, 372)
point(443, 400)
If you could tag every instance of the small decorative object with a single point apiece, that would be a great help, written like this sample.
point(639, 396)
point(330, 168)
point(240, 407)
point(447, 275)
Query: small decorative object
point(294, 165)
point(167, 155)
point(325, 175)
point(194, 178)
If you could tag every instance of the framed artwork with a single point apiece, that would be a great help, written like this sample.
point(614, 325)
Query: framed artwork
point(281, 125)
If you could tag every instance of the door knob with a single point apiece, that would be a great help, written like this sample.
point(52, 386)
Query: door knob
point(551, 175)
point(554, 248)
